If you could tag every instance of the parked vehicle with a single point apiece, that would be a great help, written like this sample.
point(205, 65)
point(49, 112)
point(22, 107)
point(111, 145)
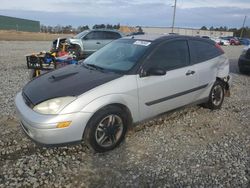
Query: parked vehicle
point(217, 40)
point(221, 41)
point(232, 40)
point(127, 81)
point(225, 42)
point(244, 41)
point(89, 41)
point(205, 37)
point(244, 60)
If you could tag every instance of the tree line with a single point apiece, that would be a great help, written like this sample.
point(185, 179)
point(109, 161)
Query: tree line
point(69, 29)
point(72, 30)
point(237, 32)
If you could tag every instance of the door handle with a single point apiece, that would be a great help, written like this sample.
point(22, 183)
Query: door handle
point(190, 72)
point(98, 43)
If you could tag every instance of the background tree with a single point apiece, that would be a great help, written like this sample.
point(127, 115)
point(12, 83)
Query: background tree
point(211, 28)
point(203, 28)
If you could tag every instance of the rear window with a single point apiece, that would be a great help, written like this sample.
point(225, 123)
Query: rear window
point(203, 51)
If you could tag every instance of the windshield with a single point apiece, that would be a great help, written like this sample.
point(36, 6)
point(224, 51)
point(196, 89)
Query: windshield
point(118, 56)
point(80, 35)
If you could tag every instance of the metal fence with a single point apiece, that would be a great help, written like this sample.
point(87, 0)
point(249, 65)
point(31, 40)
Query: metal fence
point(10, 23)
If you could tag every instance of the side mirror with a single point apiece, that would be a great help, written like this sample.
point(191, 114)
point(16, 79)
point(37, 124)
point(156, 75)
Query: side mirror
point(156, 72)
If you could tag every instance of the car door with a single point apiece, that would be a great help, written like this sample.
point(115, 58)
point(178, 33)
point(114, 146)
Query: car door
point(158, 94)
point(207, 59)
point(93, 42)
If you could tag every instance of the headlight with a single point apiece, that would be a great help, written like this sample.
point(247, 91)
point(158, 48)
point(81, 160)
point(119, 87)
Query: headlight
point(53, 106)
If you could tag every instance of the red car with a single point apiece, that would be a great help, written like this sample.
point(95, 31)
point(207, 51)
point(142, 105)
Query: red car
point(232, 40)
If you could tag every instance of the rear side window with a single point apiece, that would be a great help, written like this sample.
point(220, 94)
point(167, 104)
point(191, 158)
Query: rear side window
point(203, 51)
point(111, 35)
point(171, 55)
point(94, 35)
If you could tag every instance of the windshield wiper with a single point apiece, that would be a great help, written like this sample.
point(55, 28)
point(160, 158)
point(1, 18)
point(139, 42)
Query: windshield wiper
point(95, 66)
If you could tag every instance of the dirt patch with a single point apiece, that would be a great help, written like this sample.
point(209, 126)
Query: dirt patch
point(29, 36)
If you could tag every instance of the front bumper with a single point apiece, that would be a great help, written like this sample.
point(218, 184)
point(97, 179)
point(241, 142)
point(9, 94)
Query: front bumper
point(43, 128)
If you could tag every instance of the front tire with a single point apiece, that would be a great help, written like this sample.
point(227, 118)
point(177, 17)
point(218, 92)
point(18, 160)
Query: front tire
point(106, 129)
point(216, 96)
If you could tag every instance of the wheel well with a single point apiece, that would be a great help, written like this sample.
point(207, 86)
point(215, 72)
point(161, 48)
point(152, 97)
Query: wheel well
point(124, 109)
point(225, 84)
point(75, 46)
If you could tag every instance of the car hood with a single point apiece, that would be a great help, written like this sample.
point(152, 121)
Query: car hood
point(72, 80)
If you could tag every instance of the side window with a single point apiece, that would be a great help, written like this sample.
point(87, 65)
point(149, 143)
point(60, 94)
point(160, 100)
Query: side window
point(171, 55)
point(203, 51)
point(115, 35)
point(111, 35)
point(94, 35)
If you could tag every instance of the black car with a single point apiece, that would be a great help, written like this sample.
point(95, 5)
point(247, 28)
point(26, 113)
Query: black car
point(244, 62)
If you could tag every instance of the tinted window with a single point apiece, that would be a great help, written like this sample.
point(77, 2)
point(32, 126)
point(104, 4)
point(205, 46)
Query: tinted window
point(203, 51)
point(111, 35)
point(170, 55)
point(94, 35)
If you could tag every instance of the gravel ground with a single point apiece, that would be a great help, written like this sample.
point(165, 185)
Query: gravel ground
point(191, 147)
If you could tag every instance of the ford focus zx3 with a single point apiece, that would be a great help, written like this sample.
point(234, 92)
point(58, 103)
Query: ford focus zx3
point(127, 81)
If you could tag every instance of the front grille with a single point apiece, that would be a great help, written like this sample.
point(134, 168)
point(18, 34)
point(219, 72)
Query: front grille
point(27, 100)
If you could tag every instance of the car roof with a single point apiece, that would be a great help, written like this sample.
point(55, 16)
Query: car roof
point(163, 37)
point(147, 37)
point(110, 30)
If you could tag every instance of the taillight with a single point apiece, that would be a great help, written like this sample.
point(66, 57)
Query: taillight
point(219, 47)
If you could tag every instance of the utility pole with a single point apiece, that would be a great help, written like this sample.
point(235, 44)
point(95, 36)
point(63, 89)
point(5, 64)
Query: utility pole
point(244, 22)
point(175, 3)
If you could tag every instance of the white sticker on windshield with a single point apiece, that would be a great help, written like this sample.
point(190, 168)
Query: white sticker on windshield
point(142, 43)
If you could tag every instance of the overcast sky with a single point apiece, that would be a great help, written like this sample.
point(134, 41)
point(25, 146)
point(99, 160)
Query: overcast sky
point(190, 13)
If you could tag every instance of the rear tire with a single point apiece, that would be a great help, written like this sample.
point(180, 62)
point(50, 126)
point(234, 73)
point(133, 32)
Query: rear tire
point(216, 96)
point(106, 129)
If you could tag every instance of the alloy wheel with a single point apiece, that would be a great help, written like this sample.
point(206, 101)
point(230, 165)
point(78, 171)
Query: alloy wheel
point(217, 95)
point(109, 131)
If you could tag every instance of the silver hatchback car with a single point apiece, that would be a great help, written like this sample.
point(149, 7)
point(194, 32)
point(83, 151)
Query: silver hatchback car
point(127, 81)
